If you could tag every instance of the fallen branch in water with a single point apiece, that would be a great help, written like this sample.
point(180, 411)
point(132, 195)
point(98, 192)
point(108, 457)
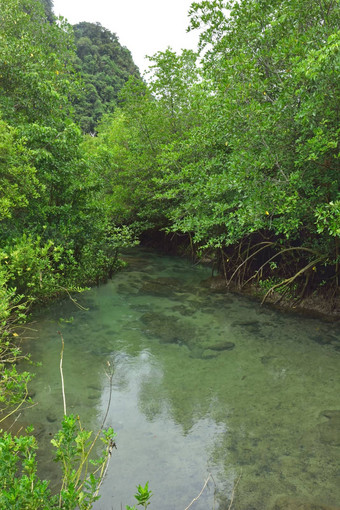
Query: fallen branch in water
point(74, 301)
point(111, 445)
point(80, 477)
point(233, 493)
point(202, 490)
point(61, 372)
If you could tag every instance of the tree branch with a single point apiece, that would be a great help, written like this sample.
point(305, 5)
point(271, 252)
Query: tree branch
point(61, 372)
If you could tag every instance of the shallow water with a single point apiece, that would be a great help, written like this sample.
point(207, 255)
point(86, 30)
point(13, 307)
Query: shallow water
point(203, 383)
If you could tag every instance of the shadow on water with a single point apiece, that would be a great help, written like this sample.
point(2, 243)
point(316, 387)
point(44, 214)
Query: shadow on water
point(203, 383)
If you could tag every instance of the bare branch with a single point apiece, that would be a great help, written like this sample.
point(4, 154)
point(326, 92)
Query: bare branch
point(109, 374)
point(61, 372)
point(200, 494)
point(233, 493)
point(74, 300)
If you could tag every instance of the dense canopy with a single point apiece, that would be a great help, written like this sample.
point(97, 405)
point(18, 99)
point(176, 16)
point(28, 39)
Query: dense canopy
point(104, 66)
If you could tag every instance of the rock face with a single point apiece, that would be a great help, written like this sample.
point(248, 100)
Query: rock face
point(286, 503)
point(330, 430)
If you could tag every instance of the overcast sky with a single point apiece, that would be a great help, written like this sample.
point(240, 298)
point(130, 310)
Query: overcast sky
point(143, 26)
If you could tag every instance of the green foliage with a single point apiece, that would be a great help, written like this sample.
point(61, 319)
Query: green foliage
point(33, 268)
point(13, 383)
point(18, 178)
point(273, 82)
point(55, 233)
point(241, 143)
point(143, 496)
point(48, 8)
point(328, 218)
point(42, 146)
point(124, 153)
point(20, 486)
point(48, 184)
point(36, 79)
point(104, 66)
point(74, 445)
point(133, 142)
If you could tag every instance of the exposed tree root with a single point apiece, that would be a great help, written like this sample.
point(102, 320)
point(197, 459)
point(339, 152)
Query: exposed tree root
point(285, 250)
point(265, 244)
point(290, 280)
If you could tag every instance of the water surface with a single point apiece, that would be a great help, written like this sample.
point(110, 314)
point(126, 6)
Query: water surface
point(203, 382)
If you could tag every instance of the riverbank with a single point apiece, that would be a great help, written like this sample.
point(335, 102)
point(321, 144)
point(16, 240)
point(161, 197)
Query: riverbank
point(321, 301)
point(323, 306)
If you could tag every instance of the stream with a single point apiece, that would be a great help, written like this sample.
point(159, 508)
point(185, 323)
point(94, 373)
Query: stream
point(203, 383)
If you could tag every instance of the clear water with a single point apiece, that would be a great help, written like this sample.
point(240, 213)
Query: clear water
point(253, 412)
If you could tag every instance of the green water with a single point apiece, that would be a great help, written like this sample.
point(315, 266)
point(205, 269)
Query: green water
point(203, 383)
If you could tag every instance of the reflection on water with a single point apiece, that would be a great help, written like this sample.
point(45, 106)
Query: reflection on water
point(203, 383)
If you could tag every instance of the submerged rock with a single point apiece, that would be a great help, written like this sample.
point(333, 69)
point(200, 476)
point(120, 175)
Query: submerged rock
point(251, 326)
point(168, 329)
point(222, 346)
point(215, 284)
point(51, 417)
point(196, 352)
point(93, 396)
point(101, 351)
point(94, 387)
point(141, 308)
point(209, 354)
point(161, 287)
point(183, 310)
point(321, 339)
point(127, 288)
point(265, 360)
point(330, 430)
point(31, 394)
point(324, 339)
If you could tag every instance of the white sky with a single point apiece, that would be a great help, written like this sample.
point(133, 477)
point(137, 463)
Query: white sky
point(143, 26)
